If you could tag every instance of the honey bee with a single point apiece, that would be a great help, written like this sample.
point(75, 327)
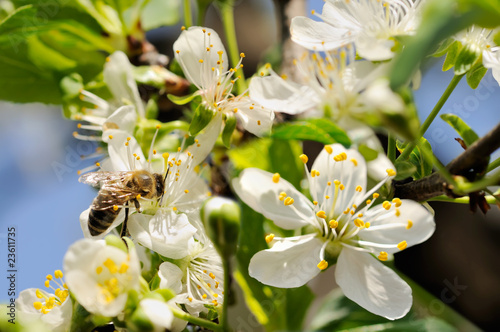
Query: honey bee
point(116, 190)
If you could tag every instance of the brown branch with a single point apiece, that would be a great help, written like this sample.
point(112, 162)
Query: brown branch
point(471, 163)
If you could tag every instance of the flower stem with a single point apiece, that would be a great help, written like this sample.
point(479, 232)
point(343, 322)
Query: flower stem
point(461, 200)
point(196, 320)
point(435, 162)
point(430, 118)
point(227, 12)
point(188, 21)
point(391, 148)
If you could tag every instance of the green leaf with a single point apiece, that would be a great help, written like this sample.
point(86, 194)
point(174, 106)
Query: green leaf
point(227, 132)
point(475, 75)
point(201, 119)
point(468, 135)
point(250, 154)
point(319, 130)
point(283, 159)
point(404, 169)
point(159, 13)
point(417, 159)
point(465, 60)
point(443, 48)
point(451, 56)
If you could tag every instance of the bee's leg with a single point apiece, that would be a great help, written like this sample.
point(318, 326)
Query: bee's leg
point(137, 205)
point(124, 225)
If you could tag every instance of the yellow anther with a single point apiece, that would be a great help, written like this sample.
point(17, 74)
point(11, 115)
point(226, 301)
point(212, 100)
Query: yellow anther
point(39, 294)
point(322, 265)
point(49, 277)
point(352, 212)
point(79, 125)
point(328, 149)
point(115, 207)
point(37, 305)
point(315, 202)
point(284, 76)
point(360, 215)
point(110, 264)
point(336, 182)
point(276, 177)
point(367, 225)
point(174, 209)
point(268, 65)
point(390, 172)
point(211, 275)
point(235, 110)
point(98, 270)
point(304, 158)
point(47, 283)
point(313, 12)
point(321, 214)
point(220, 52)
point(190, 299)
point(328, 183)
point(341, 187)
point(410, 224)
point(359, 189)
point(258, 122)
point(333, 223)
point(289, 201)
point(376, 195)
point(358, 222)
point(98, 164)
point(327, 197)
point(58, 274)
point(314, 173)
point(269, 238)
point(177, 51)
point(208, 49)
point(368, 201)
point(282, 195)
point(354, 161)
point(382, 256)
point(398, 213)
point(158, 126)
point(123, 268)
point(200, 61)
point(347, 211)
point(402, 245)
point(386, 205)
point(397, 201)
point(354, 206)
point(110, 136)
point(186, 191)
point(242, 54)
point(204, 296)
point(138, 196)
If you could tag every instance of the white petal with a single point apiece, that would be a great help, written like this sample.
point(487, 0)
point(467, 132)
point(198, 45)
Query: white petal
point(372, 285)
point(124, 118)
point(192, 46)
point(158, 312)
point(422, 225)
point(380, 96)
point(166, 233)
point(256, 188)
point(120, 80)
point(288, 263)
point(492, 60)
point(121, 156)
point(170, 277)
point(318, 36)
point(284, 96)
point(206, 140)
point(350, 173)
point(254, 118)
point(374, 49)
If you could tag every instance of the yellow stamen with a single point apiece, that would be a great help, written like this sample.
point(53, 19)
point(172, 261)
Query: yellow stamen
point(321, 214)
point(333, 223)
point(402, 245)
point(322, 265)
point(269, 238)
point(390, 172)
point(328, 149)
point(410, 224)
point(382, 256)
point(304, 158)
point(289, 201)
point(354, 161)
point(276, 177)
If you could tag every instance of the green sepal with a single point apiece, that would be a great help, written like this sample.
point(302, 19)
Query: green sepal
point(466, 58)
point(229, 127)
point(404, 169)
point(115, 241)
point(451, 55)
point(165, 293)
point(468, 135)
point(152, 109)
point(416, 158)
point(443, 48)
point(182, 100)
point(368, 153)
point(155, 282)
point(475, 75)
point(201, 119)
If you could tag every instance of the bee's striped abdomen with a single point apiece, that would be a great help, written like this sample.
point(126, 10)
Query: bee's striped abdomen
point(100, 220)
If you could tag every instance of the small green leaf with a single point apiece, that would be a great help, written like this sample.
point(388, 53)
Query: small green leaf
point(451, 56)
point(466, 58)
point(319, 130)
point(475, 75)
point(152, 109)
point(250, 154)
point(368, 153)
point(467, 134)
point(404, 169)
point(283, 159)
point(201, 119)
point(443, 48)
point(417, 159)
point(159, 13)
point(227, 132)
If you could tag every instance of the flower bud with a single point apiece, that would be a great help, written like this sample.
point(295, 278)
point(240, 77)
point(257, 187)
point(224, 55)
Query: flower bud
point(221, 217)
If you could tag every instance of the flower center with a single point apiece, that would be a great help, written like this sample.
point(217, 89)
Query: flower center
point(49, 301)
point(112, 278)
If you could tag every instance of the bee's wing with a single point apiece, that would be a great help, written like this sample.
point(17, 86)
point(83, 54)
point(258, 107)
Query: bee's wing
point(101, 178)
point(109, 198)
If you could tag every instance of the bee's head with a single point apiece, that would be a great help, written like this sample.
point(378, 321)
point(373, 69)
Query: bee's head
point(160, 184)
